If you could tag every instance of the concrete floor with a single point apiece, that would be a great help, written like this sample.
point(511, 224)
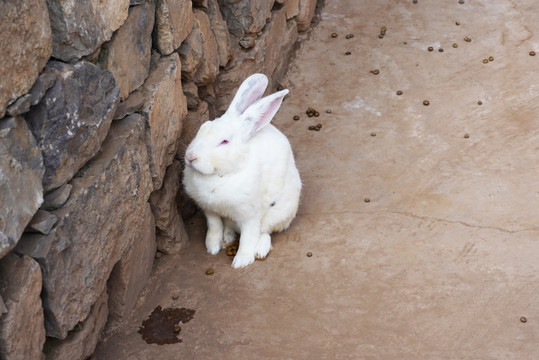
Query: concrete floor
point(443, 261)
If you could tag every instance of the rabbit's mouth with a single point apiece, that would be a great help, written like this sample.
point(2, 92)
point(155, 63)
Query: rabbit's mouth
point(197, 166)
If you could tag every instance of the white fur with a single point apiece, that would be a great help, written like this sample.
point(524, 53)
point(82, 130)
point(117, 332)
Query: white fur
point(249, 185)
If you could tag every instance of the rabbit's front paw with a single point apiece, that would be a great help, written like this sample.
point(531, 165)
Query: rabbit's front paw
point(229, 236)
point(213, 243)
point(242, 260)
point(263, 246)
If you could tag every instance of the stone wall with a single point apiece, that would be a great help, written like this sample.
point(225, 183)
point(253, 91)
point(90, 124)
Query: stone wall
point(98, 100)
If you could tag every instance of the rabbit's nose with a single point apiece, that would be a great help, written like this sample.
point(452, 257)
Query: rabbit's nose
point(191, 160)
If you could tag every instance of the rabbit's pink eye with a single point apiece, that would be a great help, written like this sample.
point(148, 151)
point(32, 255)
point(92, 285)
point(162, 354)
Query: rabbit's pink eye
point(224, 142)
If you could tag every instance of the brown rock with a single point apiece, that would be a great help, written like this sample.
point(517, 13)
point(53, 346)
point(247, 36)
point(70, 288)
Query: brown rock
point(72, 119)
point(44, 81)
point(191, 124)
point(131, 273)
point(96, 227)
point(42, 222)
point(270, 56)
point(3, 308)
point(127, 54)
point(82, 340)
point(56, 198)
point(190, 90)
point(199, 52)
point(171, 234)
point(203, 4)
point(191, 54)
point(165, 109)
point(80, 27)
point(220, 31)
point(173, 22)
point(305, 14)
point(245, 16)
point(21, 192)
point(22, 333)
point(25, 47)
point(291, 8)
point(132, 104)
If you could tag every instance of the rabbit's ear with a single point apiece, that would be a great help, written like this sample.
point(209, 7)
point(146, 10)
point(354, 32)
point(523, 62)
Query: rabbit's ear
point(261, 112)
point(250, 91)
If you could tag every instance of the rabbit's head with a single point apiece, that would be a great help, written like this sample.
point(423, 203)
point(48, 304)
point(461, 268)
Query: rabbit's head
point(222, 146)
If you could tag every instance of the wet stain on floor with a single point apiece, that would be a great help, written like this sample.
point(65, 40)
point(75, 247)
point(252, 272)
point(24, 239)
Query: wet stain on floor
point(163, 325)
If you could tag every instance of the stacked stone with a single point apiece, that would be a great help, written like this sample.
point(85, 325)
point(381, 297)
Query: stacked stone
point(98, 101)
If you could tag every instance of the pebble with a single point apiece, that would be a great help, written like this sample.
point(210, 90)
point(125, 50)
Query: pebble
point(348, 53)
point(209, 271)
point(296, 117)
point(399, 92)
point(309, 254)
point(523, 319)
point(375, 72)
point(334, 35)
point(466, 136)
point(532, 53)
point(367, 200)
point(175, 296)
point(426, 102)
point(430, 48)
point(373, 134)
point(479, 102)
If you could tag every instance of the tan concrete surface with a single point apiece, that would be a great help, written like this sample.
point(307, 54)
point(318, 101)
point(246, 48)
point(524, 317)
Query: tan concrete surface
point(444, 260)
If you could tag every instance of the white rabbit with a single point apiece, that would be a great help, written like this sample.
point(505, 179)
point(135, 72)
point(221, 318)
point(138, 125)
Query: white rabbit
point(240, 170)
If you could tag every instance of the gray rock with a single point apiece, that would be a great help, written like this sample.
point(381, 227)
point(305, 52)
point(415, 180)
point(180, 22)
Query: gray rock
point(131, 105)
point(81, 341)
point(25, 47)
point(127, 54)
point(173, 22)
point(80, 27)
point(42, 222)
point(21, 192)
point(44, 81)
point(165, 109)
point(56, 198)
point(22, 333)
point(73, 118)
point(97, 225)
point(245, 16)
point(130, 274)
point(171, 234)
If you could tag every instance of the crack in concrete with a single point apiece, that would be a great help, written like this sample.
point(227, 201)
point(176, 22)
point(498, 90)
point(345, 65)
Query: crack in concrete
point(409, 214)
